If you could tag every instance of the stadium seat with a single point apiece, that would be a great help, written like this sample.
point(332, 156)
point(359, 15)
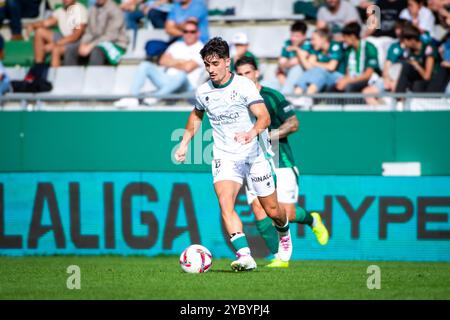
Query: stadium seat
point(142, 37)
point(283, 8)
point(16, 73)
point(225, 32)
point(426, 104)
point(68, 80)
point(268, 71)
point(124, 78)
point(98, 80)
point(267, 41)
point(225, 4)
point(131, 45)
point(254, 9)
point(258, 37)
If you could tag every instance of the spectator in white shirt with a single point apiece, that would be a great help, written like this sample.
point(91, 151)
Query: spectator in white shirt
point(71, 20)
point(419, 15)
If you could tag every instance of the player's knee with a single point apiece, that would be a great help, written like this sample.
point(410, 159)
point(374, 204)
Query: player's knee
point(271, 209)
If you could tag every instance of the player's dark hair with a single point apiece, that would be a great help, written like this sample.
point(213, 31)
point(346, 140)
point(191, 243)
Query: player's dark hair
point(299, 26)
point(324, 33)
point(410, 32)
point(352, 29)
point(216, 47)
point(246, 60)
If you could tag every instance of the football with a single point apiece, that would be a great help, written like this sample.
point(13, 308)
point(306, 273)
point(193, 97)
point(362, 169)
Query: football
point(196, 259)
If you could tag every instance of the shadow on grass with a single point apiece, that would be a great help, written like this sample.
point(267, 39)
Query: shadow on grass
point(232, 271)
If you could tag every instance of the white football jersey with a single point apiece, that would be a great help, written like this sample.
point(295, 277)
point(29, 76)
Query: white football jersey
point(227, 108)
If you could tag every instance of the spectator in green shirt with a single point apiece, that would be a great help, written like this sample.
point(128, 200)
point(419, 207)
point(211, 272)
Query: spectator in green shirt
point(361, 59)
point(293, 55)
point(420, 63)
point(391, 68)
point(324, 64)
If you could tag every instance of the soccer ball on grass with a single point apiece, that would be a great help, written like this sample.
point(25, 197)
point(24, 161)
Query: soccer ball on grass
point(196, 259)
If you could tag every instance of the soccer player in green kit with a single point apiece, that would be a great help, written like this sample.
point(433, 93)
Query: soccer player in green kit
point(283, 123)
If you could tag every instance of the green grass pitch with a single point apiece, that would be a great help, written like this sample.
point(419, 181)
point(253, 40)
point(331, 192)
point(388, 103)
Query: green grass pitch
point(114, 277)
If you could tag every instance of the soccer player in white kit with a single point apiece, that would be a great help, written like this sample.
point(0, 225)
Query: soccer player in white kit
point(241, 148)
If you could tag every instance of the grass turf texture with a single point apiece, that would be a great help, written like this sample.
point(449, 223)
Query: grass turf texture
point(111, 277)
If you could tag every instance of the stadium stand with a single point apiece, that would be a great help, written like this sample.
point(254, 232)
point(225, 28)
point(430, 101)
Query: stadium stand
point(267, 27)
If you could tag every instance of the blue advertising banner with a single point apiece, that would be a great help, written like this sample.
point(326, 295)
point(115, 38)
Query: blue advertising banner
point(142, 213)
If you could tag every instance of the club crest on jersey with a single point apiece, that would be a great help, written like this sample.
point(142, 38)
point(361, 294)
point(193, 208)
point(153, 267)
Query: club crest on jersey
point(234, 95)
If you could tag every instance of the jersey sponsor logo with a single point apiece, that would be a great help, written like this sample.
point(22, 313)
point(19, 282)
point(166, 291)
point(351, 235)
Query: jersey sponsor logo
point(224, 118)
point(262, 178)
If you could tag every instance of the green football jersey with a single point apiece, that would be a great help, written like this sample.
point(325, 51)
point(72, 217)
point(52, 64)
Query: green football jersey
point(306, 46)
point(426, 50)
point(280, 110)
point(395, 52)
point(335, 52)
point(357, 61)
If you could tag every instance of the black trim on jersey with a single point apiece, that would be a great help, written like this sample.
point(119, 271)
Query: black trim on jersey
point(255, 102)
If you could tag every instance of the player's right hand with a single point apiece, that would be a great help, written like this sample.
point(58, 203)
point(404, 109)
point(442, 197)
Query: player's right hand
point(180, 154)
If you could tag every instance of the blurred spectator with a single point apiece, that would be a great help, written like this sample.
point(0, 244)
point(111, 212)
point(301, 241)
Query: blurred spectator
point(239, 49)
point(389, 14)
point(419, 15)
point(335, 14)
point(5, 84)
point(155, 11)
point(440, 81)
point(180, 69)
point(14, 11)
point(105, 39)
point(186, 10)
point(361, 59)
point(293, 54)
point(392, 67)
point(308, 8)
point(55, 42)
point(441, 10)
point(420, 61)
point(325, 65)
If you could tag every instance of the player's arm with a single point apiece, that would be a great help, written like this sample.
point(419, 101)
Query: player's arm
point(289, 126)
point(193, 123)
point(262, 123)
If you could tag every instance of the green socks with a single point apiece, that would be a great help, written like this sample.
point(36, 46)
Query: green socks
point(269, 233)
point(240, 244)
point(303, 217)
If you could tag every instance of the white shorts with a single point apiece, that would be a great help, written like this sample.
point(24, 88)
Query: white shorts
point(259, 172)
point(287, 186)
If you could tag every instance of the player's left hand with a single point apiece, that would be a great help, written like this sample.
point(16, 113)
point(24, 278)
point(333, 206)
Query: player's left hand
point(244, 137)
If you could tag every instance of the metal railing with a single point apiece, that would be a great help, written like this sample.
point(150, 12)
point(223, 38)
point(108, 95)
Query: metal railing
point(317, 102)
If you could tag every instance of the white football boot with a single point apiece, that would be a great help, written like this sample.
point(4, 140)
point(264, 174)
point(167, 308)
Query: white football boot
point(285, 247)
point(243, 263)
